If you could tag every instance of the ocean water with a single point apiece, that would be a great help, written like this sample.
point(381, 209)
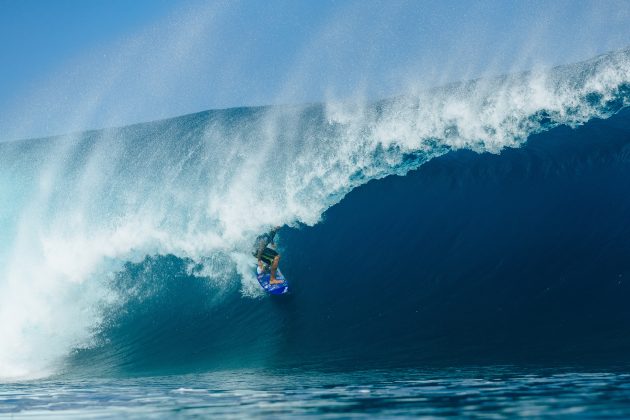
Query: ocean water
point(462, 251)
point(474, 392)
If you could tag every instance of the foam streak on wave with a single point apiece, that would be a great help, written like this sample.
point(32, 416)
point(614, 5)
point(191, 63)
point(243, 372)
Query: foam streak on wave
point(75, 208)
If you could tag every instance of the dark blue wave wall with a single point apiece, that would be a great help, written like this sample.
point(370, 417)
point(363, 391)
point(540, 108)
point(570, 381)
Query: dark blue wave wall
point(522, 256)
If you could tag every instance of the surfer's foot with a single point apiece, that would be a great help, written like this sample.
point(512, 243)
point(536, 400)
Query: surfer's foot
point(275, 281)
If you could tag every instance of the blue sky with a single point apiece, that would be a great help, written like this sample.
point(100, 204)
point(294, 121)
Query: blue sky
point(69, 65)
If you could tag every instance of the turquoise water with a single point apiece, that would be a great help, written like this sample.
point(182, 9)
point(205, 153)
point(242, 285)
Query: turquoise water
point(474, 392)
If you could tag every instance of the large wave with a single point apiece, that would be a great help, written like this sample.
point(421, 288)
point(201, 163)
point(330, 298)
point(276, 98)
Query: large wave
point(104, 228)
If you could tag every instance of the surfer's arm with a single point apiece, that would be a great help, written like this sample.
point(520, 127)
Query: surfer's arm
point(262, 244)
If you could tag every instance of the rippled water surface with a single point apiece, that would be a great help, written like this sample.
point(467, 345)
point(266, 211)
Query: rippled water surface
point(488, 392)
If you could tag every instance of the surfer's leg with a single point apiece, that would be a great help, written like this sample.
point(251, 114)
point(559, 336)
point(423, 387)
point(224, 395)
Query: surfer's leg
point(274, 267)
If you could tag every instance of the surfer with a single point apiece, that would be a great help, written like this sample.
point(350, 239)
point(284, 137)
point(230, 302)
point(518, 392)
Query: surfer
point(266, 254)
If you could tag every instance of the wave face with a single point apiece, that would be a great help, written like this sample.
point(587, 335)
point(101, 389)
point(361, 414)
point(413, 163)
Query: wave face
point(128, 250)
